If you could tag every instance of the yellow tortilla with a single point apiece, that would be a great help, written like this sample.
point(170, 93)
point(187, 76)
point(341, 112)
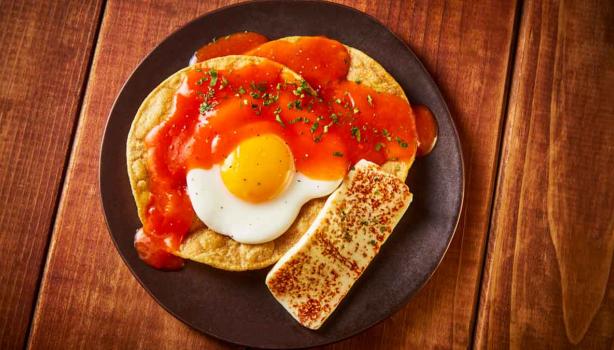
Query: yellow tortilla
point(202, 244)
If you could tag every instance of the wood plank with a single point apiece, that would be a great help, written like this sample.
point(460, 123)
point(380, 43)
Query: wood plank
point(88, 296)
point(548, 280)
point(45, 49)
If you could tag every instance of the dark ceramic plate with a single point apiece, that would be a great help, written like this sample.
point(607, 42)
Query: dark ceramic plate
point(236, 306)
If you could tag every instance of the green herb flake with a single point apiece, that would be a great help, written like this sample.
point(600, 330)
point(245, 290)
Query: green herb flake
point(386, 134)
point(334, 118)
point(213, 74)
point(297, 104)
point(356, 133)
point(206, 107)
point(372, 242)
point(338, 101)
point(337, 154)
point(296, 120)
point(379, 146)
point(314, 127)
point(241, 90)
point(224, 82)
point(278, 119)
point(402, 142)
point(254, 95)
point(270, 99)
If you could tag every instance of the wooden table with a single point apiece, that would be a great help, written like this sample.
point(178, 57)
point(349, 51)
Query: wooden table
point(530, 86)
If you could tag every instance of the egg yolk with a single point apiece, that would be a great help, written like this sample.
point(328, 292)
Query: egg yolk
point(258, 169)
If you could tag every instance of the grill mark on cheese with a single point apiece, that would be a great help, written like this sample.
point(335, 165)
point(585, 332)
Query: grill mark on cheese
point(312, 278)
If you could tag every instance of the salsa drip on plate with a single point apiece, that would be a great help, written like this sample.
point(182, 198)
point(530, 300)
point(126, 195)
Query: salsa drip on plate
point(328, 122)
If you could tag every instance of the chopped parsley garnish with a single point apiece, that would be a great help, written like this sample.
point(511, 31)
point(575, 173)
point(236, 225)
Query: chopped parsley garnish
point(254, 95)
point(314, 127)
point(356, 133)
point(213, 74)
point(278, 119)
point(201, 81)
point(290, 105)
point(334, 118)
point(337, 154)
point(206, 107)
point(300, 90)
point(297, 104)
point(386, 134)
point(296, 120)
point(270, 99)
point(402, 142)
point(224, 82)
point(379, 146)
point(241, 90)
point(278, 87)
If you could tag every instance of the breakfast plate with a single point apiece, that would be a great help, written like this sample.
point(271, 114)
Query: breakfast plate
point(232, 302)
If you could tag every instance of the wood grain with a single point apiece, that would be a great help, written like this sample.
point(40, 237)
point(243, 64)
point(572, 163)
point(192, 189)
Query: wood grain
point(548, 280)
point(89, 298)
point(45, 51)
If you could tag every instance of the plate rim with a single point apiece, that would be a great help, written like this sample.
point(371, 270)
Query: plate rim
point(457, 140)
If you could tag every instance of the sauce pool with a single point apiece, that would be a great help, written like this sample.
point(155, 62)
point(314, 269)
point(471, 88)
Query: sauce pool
point(233, 44)
point(426, 128)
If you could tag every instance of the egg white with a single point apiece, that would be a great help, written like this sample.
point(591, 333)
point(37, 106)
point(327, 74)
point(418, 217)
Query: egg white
point(246, 222)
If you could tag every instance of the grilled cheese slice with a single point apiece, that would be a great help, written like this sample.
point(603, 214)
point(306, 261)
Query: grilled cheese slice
point(312, 278)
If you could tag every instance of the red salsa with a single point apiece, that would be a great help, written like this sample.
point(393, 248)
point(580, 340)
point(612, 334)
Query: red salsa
point(327, 129)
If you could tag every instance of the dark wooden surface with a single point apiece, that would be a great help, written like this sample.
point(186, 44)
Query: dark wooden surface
point(45, 52)
point(546, 280)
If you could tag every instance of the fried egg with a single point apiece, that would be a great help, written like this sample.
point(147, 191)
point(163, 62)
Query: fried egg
point(255, 195)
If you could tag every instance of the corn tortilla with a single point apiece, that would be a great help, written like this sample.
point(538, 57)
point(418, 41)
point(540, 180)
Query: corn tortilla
point(202, 244)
